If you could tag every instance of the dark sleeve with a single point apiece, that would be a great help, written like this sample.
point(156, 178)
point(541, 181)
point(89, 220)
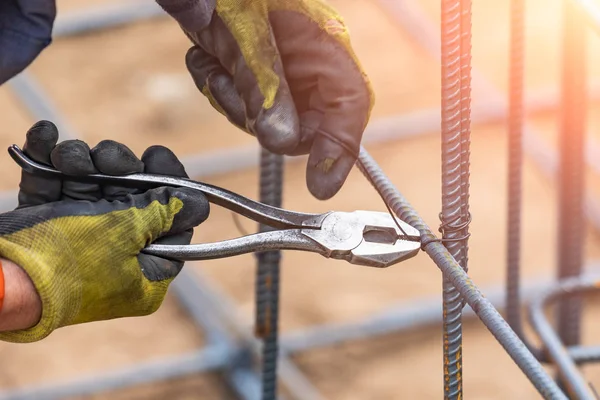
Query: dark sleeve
point(25, 30)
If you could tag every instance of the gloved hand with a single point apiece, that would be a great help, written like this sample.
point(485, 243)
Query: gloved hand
point(25, 30)
point(283, 70)
point(80, 243)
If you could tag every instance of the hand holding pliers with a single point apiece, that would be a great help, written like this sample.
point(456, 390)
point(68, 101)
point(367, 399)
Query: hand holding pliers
point(369, 238)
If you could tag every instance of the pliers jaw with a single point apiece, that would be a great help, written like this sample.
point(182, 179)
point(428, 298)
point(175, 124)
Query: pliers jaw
point(370, 238)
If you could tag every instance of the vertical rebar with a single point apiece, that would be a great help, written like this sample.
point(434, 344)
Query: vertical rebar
point(442, 258)
point(456, 82)
point(571, 170)
point(515, 165)
point(267, 277)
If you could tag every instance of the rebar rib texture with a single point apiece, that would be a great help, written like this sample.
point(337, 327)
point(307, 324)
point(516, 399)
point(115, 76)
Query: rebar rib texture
point(515, 165)
point(456, 85)
point(516, 117)
point(486, 312)
point(571, 171)
point(267, 277)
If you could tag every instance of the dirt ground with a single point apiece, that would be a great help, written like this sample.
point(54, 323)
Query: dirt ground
point(130, 84)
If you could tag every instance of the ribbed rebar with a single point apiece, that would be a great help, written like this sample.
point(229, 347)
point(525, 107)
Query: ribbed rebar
point(515, 173)
point(267, 277)
point(456, 84)
point(461, 281)
point(515, 165)
point(575, 383)
point(571, 171)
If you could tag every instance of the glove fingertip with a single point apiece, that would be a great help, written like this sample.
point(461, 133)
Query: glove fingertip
point(195, 210)
point(40, 140)
point(114, 158)
point(278, 131)
point(161, 160)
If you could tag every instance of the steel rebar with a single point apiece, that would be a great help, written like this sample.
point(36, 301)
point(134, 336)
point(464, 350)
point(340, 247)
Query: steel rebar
point(571, 170)
point(267, 276)
point(515, 166)
point(210, 298)
point(105, 17)
point(486, 312)
point(456, 81)
point(571, 377)
point(409, 15)
point(206, 360)
point(416, 314)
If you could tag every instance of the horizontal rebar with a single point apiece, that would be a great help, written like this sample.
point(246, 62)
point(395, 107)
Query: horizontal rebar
point(105, 17)
point(206, 296)
point(38, 103)
point(410, 16)
point(205, 360)
point(381, 130)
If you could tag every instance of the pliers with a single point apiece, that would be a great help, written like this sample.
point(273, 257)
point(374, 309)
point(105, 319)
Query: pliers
point(369, 238)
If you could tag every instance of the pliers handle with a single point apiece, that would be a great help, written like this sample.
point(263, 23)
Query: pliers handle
point(362, 237)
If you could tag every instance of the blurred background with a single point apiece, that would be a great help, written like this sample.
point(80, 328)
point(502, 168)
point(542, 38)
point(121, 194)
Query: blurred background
point(130, 84)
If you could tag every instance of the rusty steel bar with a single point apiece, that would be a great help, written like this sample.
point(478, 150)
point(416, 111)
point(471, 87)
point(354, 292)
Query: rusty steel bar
point(456, 92)
point(571, 169)
point(574, 381)
point(515, 165)
point(267, 277)
point(486, 312)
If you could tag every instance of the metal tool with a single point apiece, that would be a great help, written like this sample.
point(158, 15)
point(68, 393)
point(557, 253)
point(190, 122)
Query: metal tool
point(370, 238)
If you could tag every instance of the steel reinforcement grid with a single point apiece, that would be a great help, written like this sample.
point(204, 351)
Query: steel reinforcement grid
point(234, 350)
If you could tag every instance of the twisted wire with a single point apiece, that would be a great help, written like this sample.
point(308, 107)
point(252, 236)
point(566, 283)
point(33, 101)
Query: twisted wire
point(267, 277)
point(456, 60)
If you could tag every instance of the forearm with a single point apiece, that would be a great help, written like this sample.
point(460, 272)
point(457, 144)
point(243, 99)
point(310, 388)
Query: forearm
point(22, 307)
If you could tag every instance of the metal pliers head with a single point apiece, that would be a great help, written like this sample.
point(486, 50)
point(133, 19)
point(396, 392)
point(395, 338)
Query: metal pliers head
point(370, 238)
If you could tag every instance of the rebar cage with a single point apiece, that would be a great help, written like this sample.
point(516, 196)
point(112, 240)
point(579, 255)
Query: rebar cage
point(233, 349)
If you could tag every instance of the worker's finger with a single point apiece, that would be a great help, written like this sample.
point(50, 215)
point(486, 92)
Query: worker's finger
point(72, 157)
point(34, 189)
point(161, 160)
point(258, 77)
point(26, 31)
point(114, 158)
point(327, 80)
point(157, 268)
point(216, 84)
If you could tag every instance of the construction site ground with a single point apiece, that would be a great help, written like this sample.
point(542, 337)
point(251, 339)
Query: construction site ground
point(130, 84)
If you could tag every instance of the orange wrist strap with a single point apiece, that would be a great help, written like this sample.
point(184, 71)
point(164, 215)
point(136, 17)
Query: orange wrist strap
point(1, 286)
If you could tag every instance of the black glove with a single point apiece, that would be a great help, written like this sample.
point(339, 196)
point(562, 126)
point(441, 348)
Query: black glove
point(285, 71)
point(80, 243)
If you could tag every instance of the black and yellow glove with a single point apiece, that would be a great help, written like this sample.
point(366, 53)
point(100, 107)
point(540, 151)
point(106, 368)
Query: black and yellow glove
point(80, 243)
point(285, 71)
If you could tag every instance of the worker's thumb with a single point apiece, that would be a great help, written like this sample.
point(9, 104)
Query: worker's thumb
point(166, 211)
